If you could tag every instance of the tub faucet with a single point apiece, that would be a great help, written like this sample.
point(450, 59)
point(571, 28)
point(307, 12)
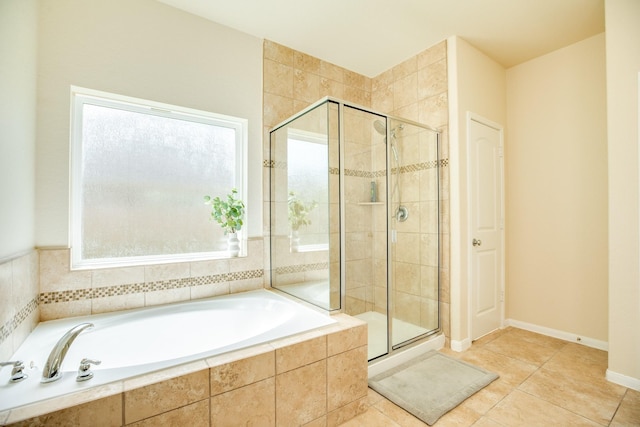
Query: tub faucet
point(51, 371)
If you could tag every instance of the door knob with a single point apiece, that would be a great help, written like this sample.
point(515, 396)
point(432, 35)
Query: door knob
point(476, 242)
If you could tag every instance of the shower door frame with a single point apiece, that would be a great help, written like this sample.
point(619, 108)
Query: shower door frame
point(390, 281)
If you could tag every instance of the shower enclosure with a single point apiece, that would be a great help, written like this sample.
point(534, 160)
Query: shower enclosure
point(355, 219)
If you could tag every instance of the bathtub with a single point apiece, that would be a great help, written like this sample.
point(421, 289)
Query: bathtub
point(135, 342)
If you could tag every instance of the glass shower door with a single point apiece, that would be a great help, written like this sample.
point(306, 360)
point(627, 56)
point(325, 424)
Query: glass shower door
point(365, 170)
point(413, 222)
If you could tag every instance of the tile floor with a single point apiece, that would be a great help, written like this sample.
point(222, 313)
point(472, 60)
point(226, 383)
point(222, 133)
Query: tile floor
point(543, 382)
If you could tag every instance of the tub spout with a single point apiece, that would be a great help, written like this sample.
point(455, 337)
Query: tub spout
point(52, 369)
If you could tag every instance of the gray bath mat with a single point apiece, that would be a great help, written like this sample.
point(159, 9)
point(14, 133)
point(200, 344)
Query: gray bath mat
point(431, 385)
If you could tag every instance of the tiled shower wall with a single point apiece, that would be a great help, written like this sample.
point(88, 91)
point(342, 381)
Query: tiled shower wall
point(19, 312)
point(415, 89)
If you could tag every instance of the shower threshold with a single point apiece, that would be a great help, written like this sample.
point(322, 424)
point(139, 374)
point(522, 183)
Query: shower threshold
point(402, 332)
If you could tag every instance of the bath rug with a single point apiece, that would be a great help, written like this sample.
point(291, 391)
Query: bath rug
point(431, 384)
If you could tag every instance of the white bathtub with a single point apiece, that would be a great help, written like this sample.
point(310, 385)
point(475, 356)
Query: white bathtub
point(135, 342)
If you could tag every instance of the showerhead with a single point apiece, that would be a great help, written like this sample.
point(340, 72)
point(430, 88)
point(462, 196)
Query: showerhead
point(380, 127)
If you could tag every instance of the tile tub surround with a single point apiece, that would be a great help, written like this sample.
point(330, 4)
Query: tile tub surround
point(316, 378)
point(19, 309)
point(65, 293)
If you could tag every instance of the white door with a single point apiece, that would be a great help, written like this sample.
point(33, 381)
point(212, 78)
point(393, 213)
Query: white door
point(487, 223)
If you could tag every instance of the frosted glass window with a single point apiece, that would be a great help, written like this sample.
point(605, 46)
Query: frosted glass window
point(307, 174)
point(140, 174)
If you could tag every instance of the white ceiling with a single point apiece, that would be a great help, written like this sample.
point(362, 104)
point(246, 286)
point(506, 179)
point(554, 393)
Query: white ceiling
point(371, 36)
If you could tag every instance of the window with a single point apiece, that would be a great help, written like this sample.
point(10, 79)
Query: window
point(140, 171)
point(308, 164)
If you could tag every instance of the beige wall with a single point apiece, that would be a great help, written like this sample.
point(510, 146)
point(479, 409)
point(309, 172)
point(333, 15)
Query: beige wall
point(18, 22)
point(623, 65)
point(18, 261)
point(556, 182)
point(148, 50)
point(142, 49)
point(477, 84)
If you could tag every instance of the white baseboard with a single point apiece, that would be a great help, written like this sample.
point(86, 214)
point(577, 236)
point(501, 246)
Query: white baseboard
point(623, 380)
point(460, 345)
point(566, 336)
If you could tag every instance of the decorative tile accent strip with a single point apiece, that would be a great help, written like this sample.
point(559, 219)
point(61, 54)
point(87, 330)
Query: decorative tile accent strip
point(161, 285)
point(20, 316)
point(369, 174)
point(300, 268)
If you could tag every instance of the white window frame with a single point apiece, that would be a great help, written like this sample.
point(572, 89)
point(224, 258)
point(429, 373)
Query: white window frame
point(81, 96)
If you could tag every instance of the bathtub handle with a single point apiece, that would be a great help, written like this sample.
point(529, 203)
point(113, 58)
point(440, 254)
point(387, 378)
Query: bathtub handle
point(17, 373)
point(84, 371)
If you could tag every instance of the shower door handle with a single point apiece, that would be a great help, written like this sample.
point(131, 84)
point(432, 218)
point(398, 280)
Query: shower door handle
point(476, 242)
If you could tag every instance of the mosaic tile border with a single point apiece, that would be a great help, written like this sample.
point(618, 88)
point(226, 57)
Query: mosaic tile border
point(133, 288)
point(301, 268)
point(415, 167)
point(18, 318)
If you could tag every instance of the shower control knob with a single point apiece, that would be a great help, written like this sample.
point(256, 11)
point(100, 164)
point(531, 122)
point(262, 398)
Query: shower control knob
point(476, 242)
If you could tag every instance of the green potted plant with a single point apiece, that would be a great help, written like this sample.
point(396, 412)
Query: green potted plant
point(298, 217)
point(228, 213)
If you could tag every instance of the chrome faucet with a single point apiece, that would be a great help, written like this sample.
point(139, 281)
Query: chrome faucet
point(52, 369)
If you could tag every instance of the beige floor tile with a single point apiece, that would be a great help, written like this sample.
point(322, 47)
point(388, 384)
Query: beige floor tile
point(529, 351)
point(522, 409)
point(579, 361)
point(458, 417)
point(532, 337)
point(512, 371)
point(488, 397)
point(594, 400)
point(371, 418)
point(489, 337)
point(398, 415)
point(628, 413)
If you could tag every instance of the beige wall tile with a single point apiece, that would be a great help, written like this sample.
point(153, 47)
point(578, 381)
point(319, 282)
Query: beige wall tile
point(305, 62)
point(117, 276)
point(278, 52)
point(196, 414)
point(292, 356)
point(306, 86)
point(253, 405)
point(155, 273)
point(26, 280)
point(433, 54)
point(209, 268)
point(346, 377)
point(246, 285)
point(7, 301)
point(276, 109)
point(347, 412)
point(432, 79)
point(278, 78)
point(210, 290)
point(301, 394)
point(154, 399)
point(232, 375)
point(167, 296)
point(60, 310)
point(55, 274)
point(117, 303)
point(405, 91)
point(331, 71)
point(107, 410)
